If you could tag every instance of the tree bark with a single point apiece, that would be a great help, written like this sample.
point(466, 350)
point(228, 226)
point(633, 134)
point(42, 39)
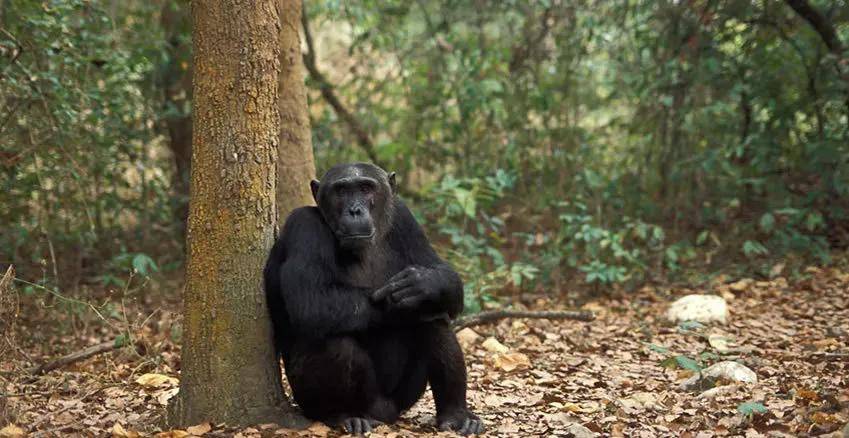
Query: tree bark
point(176, 83)
point(229, 369)
point(295, 165)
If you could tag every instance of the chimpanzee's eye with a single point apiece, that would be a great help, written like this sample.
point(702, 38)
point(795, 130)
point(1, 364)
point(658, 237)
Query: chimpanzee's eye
point(366, 188)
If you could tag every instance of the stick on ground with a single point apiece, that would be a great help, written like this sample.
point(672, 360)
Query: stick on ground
point(77, 356)
point(496, 315)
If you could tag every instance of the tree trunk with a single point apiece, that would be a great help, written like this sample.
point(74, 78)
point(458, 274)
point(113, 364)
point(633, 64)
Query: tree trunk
point(176, 83)
point(295, 165)
point(229, 369)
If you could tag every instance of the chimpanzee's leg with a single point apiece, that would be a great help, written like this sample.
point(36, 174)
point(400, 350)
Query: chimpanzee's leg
point(401, 367)
point(446, 372)
point(334, 381)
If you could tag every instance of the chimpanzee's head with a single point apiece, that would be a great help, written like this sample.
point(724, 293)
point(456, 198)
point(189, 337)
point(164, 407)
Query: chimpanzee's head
point(356, 200)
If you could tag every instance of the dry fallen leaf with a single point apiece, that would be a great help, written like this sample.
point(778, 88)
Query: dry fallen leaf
point(742, 285)
point(638, 402)
point(571, 407)
point(176, 433)
point(153, 380)
point(11, 431)
point(807, 394)
point(720, 343)
point(492, 345)
point(118, 431)
point(467, 336)
point(316, 430)
point(163, 396)
point(511, 361)
point(199, 429)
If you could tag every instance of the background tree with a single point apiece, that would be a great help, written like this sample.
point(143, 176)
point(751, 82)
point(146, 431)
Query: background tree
point(295, 165)
point(229, 368)
point(556, 144)
point(175, 78)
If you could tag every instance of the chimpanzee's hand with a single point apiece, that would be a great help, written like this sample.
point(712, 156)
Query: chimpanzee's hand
point(409, 289)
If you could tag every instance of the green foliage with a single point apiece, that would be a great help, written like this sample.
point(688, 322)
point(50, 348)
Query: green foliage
point(682, 362)
point(749, 409)
point(121, 340)
point(680, 134)
point(78, 168)
point(610, 253)
point(544, 142)
point(460, 207)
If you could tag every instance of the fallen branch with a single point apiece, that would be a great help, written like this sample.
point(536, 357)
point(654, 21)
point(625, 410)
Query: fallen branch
point(77, 356)
point(496, 315)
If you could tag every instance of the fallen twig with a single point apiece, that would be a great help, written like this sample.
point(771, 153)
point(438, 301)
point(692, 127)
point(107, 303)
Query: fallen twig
point(496, 315)
point(77, 356)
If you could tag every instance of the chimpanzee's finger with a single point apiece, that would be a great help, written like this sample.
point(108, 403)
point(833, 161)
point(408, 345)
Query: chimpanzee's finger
point(389, 288)
point(410, 302)
point(406, 292)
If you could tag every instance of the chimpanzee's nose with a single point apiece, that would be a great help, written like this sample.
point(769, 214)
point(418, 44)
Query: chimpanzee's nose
point(356, 210)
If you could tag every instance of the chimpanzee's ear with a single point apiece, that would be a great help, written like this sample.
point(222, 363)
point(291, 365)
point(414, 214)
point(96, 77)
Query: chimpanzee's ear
point(392, 181)
point(314, 187)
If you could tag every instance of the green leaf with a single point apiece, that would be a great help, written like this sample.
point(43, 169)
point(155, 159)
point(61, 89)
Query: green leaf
point(658, 348)
point(671, 254)
point(144, 264)
point(669, 362)
point(767, 223)
point(708, 355)
point(593, 179)
point(120, 340)
point(753, 248)
point(466, 200)
point(750, 408)
point(690, 325)
point(813, 221)
point(687, 363)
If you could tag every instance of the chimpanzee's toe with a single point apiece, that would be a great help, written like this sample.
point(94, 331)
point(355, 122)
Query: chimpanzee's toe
point(358, 425)
point(463, 423)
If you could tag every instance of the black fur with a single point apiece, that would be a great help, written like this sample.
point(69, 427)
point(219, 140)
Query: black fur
point(362, 329)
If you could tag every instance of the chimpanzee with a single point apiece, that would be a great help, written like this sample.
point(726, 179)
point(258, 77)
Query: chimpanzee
point(361, 306)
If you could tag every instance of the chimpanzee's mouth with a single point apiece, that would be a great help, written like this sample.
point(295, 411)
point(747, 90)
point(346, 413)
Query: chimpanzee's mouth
point(359, 236)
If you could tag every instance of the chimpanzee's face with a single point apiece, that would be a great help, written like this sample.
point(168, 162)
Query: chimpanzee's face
point(356, 202)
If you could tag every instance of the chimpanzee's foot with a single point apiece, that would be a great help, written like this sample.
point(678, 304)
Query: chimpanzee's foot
point(358, 425)
point(383, 410)
point(462, 422)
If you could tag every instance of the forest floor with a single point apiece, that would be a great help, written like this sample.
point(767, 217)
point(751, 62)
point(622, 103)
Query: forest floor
point(615, 376)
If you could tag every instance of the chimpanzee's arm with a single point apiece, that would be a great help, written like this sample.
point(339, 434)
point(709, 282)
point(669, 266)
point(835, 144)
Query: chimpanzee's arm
point(304, 294)
point(428, 286)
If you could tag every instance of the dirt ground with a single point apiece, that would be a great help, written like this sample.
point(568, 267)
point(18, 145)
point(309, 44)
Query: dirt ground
point(615, 376)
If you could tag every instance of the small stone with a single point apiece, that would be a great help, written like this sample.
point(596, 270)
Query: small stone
point(727, 370)
point(701, 308)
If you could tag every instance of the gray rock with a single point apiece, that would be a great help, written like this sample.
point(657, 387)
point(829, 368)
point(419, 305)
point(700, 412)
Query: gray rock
point(701, 308)
point(728, 370)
